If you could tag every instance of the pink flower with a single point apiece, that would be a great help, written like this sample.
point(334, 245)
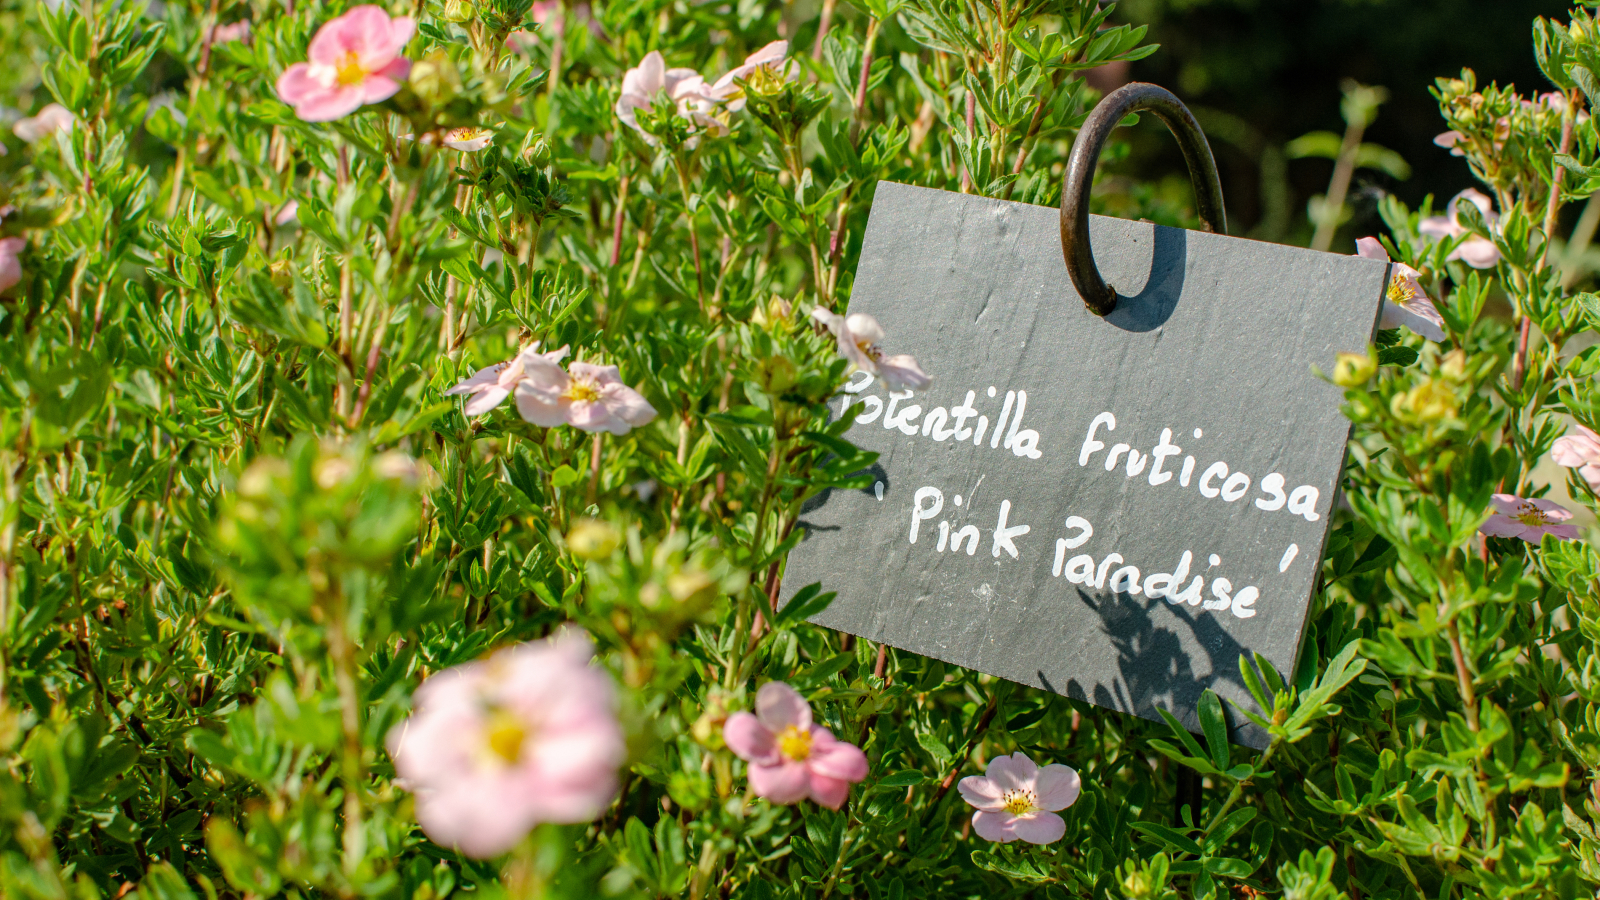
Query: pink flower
point(1017, 799)
point(1449, 140)
point(684, 87)
point(1407, 303)
point(1529, 519)
point(790, 757)
point(1579, 450)
point(587, 397)
point(48, 121)
point(355, 60)
point(730, 94)
point(1477, 252)
point(11, 262)
point(289, 212)
point(238, 31)
point(491, 385)
point(858, 337)
point(498, 746)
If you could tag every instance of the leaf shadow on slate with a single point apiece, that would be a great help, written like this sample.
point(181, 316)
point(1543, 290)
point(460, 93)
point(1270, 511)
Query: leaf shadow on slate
point(1209, 355)
point(821, 499)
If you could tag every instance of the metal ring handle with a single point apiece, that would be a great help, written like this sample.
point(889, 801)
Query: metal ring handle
point(1098, 296)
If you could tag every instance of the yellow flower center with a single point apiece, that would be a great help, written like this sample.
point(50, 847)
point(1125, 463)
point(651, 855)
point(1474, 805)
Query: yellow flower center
point(1020, 803)
point(1401, 290)
point(794, 743)
point(506, 735)
point(350, 71)
point(582, 391)
point(1531, 515)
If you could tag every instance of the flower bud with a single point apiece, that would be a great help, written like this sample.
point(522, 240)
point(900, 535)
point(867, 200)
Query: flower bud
point(1429, 401)
point(593, 540)
point(434, 79)
point(1454, 366)
point(775, 374)
point(1353, 369)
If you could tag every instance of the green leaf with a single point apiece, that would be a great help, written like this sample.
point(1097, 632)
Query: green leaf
point(807, 602)
point(564, 476)
point(1213, 721)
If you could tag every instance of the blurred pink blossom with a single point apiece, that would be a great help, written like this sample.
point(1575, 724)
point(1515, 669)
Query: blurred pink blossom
point(354, 60)
point(1477, 252)
point(1015, 799)
point(495, 747)
point(586, 396)
point(47, 121)
point(858, 337)
point(491, 385)
point(1530, 519)
point(1449, 140)
point(289, 212)
point(1406, 302)
point(236, 31)
point(11, 261)
point(790, 757)
point(1579, 449)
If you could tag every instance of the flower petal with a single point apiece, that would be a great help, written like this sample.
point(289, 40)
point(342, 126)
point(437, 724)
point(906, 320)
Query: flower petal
point(1371, 248)
point(829, 792)
point(1013, 773)
point(982, 793)
point(1039, 828)
point(901, 373)
point(749, 739)
point(480, 379)
point(994, 826)
point(627, 404)
point(780, 706)
point(835, 758)
point(864, 328)
point(1058, 787)
point(787, 782)
point(539, 407)
point(487, 399)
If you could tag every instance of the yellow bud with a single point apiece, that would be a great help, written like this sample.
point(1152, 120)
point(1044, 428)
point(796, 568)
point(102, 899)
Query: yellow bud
point(1429, 401)
point(593, 540)
point(1353, 369)
point(691, 585)
point(1454, 366)
point(435, 79)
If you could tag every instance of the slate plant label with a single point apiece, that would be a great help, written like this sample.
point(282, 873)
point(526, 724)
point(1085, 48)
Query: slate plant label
point(1112, 509)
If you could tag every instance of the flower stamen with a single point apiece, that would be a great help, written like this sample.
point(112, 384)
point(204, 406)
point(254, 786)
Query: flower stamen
point(794, 743)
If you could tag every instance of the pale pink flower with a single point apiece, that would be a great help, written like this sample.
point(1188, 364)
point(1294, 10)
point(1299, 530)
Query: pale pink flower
point(724, 91)
point(1017, 799)
point(1406, 302)
point(495, 747)
point(1477, 252)
point(354, 60)
point(11, 262)
point(790, 756)
point(466, 138)
point(491, 385)
point(858, 337)
point(48, 121)
point(586, 396)
point(1529, 519)
point(1450, 141)
point(237, 31)
point(289, 212)
point(1579, 449)
point(684, 87)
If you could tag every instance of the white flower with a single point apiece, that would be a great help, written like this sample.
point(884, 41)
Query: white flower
point(858, 337)
point(1406, 302)
point(51, 119)
point(1477, 252)
point(684, 87)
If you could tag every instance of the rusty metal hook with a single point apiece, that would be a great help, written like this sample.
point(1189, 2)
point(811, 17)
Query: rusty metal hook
point(1098, 296)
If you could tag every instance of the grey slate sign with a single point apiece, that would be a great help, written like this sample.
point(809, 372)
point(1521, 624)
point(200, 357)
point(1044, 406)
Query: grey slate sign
point(1111, 509)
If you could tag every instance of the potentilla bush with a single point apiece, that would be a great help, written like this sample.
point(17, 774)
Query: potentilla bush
point(405, 413)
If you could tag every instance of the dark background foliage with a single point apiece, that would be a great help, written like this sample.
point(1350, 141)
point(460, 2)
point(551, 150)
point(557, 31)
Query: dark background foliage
point(1260, 73)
